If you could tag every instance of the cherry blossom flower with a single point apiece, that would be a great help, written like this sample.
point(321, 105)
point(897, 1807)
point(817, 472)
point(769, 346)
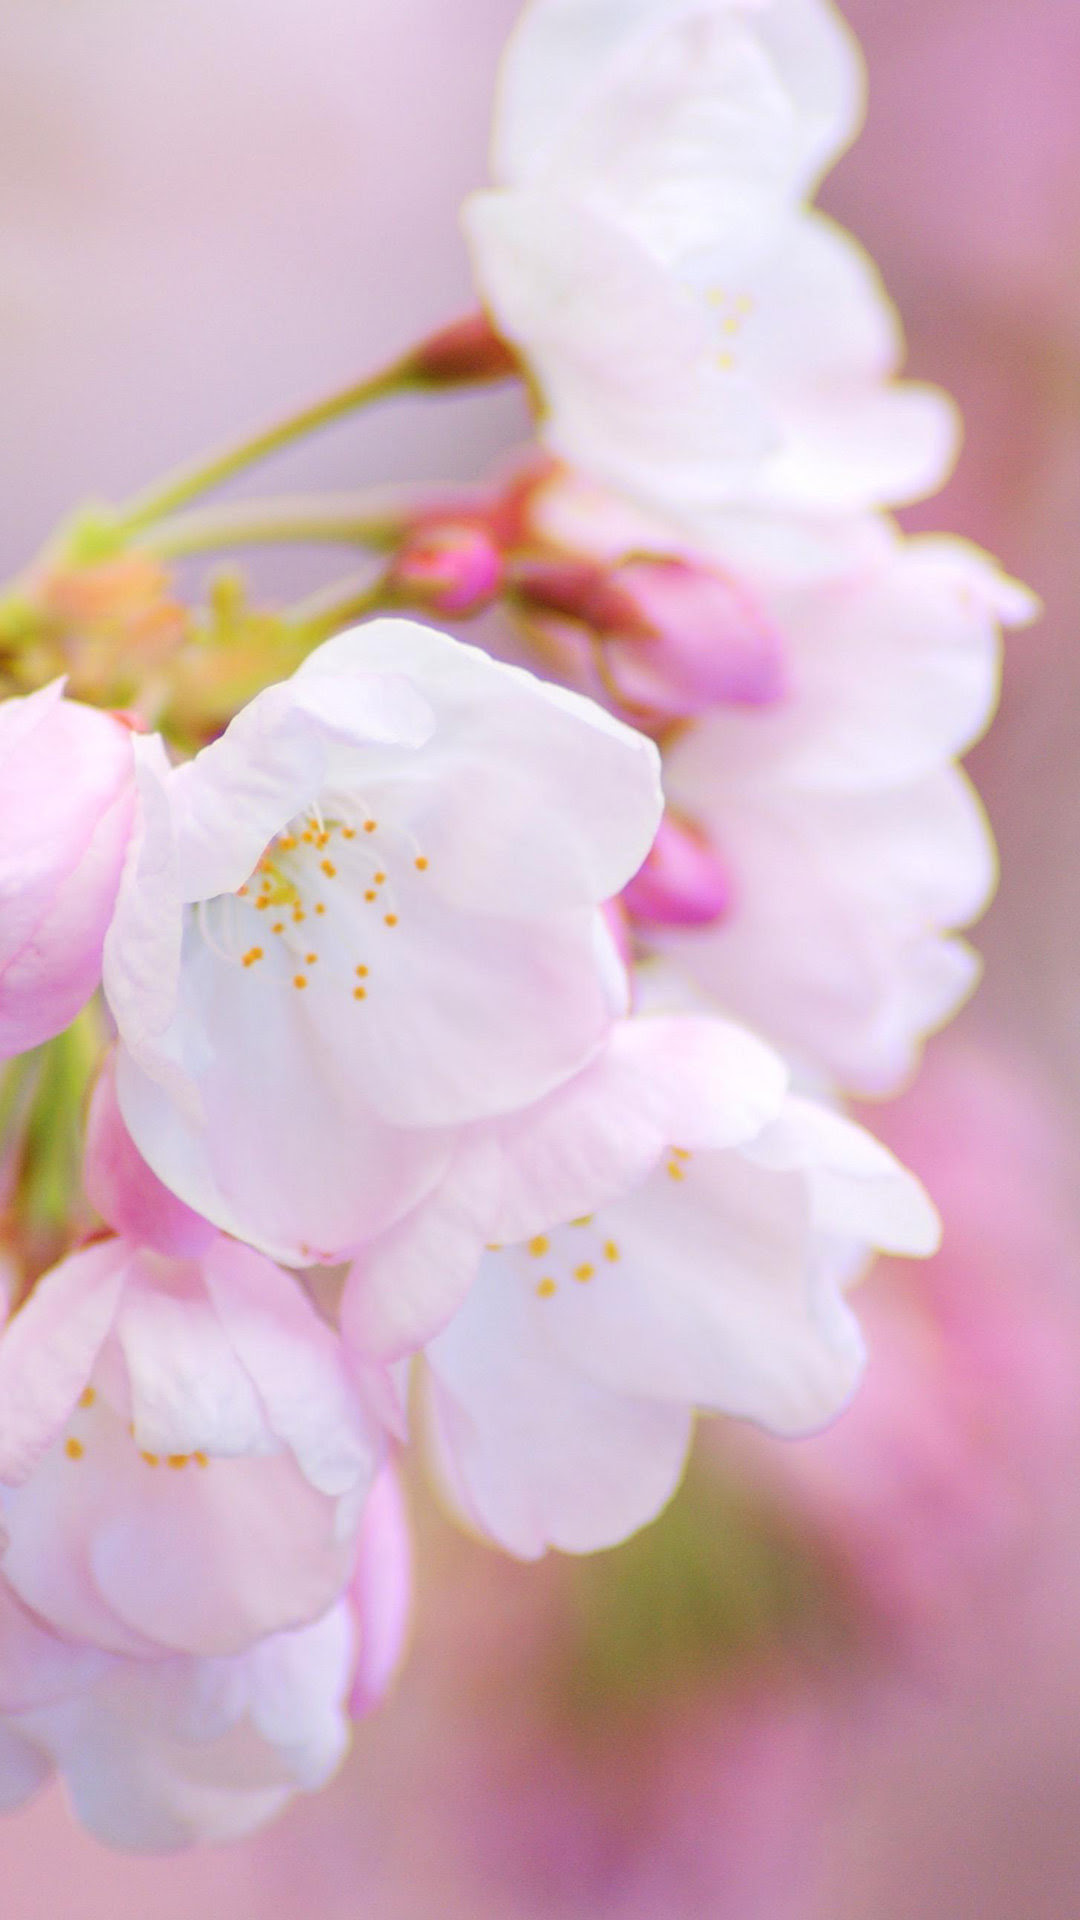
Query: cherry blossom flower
point(161, 1752)
point(184, 1451)
point(66, 800)
point(694, 334)
point(612, 1282)
point(365, 916)
point(849, 844)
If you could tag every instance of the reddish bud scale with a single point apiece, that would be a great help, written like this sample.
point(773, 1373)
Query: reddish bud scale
point(465, 353)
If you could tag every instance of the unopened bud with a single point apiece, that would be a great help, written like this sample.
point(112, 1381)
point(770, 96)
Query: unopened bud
point(456, 568)
point(683, 883)
point(466, 353)
point(678, 636)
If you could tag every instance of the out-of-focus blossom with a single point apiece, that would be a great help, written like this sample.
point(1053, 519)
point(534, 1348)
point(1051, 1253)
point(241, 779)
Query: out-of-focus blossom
point(159, 1752)
point(694, 334)
point(367, 915)
point(852, 845)
point(634, 1280)
point(66, 803)
point(184, 1451)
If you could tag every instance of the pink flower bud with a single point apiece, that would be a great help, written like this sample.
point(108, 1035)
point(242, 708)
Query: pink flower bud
point(456, 568)
point(66, 798)
point(697, 639)
point(683, 882)
point(677, 636)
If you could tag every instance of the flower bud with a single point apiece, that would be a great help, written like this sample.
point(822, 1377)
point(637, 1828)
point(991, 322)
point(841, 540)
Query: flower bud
point(452, 569)
point(677, 636)
point(683, 882)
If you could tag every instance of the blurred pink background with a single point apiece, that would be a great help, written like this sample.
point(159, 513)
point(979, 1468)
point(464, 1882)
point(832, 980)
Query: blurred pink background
point(212, 208)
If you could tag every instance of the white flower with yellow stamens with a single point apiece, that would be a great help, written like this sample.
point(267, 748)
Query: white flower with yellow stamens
point(366, 916)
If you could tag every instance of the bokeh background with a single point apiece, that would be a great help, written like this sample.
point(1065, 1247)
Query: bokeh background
point(839, 1681)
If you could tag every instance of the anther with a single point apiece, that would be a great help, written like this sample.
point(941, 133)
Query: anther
point(74, 1448)
point(370, 826)
point(420, 863)
point(299, 980)
point(328, 868)
point(546, 1287)
point(584, 1273)
point(390, 919)
point(539, 1246)
point(359, 993)
point(178, 1460)
point(87, 1397)
point(611, 1251)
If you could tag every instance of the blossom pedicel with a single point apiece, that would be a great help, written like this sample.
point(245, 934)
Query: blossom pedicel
point(421, 974)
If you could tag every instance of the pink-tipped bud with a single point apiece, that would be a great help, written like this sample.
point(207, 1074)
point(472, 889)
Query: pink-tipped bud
point(455, 568)
point(678, 636)
point(683, 882)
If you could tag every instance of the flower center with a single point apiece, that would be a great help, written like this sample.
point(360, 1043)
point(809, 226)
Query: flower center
point(324, 896)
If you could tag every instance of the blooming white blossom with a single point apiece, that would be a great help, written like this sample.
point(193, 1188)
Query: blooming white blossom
point(365, 916)
point(851, 845)
point(184, 1451)
point(158, 1753)
point(693, 332)
point(612, 1282)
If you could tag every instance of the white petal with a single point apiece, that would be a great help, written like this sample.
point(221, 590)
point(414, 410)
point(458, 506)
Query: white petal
point(705, 1288)
point(49, 1348)
point(622, 352)
point(527, 798)
point(141, 964)
point(189, 1391)
point(289, 1154)
point(537, 1454)
point(296, 1364)
point(274, 759)
point(858, 1189)
point(834, 948)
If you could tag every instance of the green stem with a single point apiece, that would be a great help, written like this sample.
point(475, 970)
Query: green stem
point(315, 521)
point(189, 483)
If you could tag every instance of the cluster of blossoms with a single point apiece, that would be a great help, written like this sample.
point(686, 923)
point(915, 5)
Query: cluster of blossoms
point(473, 1027)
